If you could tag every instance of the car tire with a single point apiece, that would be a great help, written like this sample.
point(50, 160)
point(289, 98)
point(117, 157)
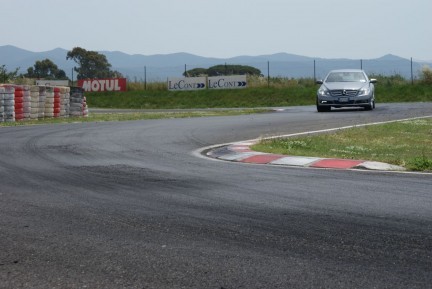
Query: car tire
point(371, 105)
point(321, 108)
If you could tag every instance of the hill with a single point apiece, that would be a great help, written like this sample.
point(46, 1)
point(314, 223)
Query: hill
point(159, 67)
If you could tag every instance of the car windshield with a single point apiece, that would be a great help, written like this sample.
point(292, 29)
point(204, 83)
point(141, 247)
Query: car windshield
point(346, 77)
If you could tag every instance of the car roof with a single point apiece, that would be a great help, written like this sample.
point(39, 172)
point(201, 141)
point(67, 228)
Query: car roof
point(347, 70)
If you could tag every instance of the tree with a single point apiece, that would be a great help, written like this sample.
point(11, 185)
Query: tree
point(224, 70)
point(6, 75)
point(196, 72)
point(91, 64)
point(45, 69)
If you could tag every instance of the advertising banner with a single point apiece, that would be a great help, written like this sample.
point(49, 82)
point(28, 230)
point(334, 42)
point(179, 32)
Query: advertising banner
point(106, 84)
point(186, 83)
point(227, 82)
point(52, 82)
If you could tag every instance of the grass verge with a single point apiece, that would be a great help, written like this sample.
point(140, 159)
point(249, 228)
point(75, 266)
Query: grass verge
point(405, 143)
point(99, 117)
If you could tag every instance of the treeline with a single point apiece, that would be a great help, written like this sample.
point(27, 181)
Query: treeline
point(223, 70)
point(90, 64)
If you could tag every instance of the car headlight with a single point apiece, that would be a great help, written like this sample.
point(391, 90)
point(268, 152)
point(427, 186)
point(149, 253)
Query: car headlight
point(323, 92)
point(364, 91)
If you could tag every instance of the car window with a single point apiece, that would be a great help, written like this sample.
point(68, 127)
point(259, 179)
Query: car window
point(346, 77)
point(334, 77)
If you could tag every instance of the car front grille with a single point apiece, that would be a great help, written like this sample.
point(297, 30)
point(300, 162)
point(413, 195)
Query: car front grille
point(341, 92)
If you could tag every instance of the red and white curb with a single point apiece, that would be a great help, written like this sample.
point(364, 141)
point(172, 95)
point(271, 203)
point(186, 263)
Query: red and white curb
point(241, 152)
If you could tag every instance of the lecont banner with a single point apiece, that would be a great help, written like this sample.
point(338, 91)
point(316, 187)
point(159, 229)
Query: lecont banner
point(187, 83)
point(214, 82)
point(105, 84)
point(227, 82)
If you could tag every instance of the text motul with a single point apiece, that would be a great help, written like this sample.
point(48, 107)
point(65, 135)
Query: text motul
point(114, 84)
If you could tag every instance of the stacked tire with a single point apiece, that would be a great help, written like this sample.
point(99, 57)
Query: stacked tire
point(26, 102)
point(76, 101)
point(34, 103)
point(64, 101)
point(19, 106)
point(9, 103)
point(85, 107)
point(49, 102)
point(57, 101)
point(2, 93)
point(42, 97)
point(23, 102)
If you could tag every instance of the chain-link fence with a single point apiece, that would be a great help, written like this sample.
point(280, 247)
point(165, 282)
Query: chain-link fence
point(314, 69)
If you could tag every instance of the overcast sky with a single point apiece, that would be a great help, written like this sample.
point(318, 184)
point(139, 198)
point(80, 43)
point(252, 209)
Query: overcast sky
point(360, 29)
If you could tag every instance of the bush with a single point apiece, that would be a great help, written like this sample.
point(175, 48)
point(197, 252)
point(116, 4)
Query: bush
point(392, 80)
point(426, 75)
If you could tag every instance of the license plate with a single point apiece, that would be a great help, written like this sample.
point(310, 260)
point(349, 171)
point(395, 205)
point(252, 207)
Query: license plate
point(343, 99)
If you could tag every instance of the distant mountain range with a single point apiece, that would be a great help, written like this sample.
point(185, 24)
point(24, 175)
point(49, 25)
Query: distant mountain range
point(158, 67)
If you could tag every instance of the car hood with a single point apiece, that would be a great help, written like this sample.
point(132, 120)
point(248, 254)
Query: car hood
point(345, 85)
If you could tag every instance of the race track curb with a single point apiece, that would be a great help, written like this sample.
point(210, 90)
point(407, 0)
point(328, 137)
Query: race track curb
point(241, 152)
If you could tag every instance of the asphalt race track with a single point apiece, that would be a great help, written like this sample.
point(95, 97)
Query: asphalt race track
point(128, 205)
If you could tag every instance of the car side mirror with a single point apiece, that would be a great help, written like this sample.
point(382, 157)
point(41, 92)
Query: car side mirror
point(373, 80)
point(319, 81)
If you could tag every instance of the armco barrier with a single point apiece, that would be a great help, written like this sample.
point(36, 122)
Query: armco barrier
point(23, 102)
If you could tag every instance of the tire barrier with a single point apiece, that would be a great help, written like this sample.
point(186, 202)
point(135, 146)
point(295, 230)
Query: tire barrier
point(56, 110)
point(34, 102)
point(49, 102)
point(19, 99)
point(8, 103)
point(2, 92)
point(76, 101)
point(24, 102)
point(85, 108)
point(42, 97)
point(64, 101)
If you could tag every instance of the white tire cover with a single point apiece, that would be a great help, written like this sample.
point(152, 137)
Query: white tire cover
point(9, 96)
point(8, 102)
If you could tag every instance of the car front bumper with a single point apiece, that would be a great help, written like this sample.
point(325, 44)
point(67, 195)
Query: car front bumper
point(344, 101)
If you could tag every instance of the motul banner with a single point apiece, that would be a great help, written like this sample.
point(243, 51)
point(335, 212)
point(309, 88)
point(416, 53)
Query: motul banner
point(105, 84)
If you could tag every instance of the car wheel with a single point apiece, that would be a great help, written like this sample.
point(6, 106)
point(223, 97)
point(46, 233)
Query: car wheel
point(371, 105)
point(321, 108)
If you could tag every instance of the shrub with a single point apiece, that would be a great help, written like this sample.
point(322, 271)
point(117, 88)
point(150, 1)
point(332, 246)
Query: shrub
point(426, 75)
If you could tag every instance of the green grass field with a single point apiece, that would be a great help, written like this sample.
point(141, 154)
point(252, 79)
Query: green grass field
point(130, 116)
point(280, 95)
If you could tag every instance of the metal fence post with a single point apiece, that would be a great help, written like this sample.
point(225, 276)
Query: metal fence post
point(412, 75)
point(268, 74)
